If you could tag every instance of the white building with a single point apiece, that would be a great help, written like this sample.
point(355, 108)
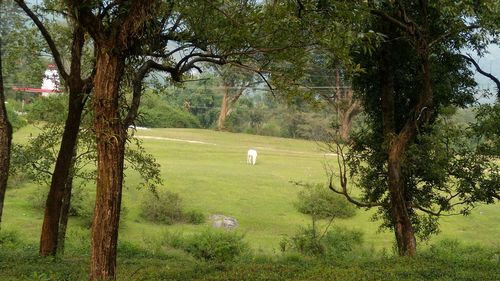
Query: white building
point(50, 83)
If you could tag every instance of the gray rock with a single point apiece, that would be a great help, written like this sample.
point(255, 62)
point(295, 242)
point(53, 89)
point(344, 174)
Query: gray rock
point(221, 221)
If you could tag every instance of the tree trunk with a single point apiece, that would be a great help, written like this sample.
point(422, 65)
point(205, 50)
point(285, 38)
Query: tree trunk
point(50, 227)
point(403, 230)
point(110, 135)
point(66, 204)
point(224, 112)
point(77, 91)
point(347, 107)
point(5, 144)
point(346, 116)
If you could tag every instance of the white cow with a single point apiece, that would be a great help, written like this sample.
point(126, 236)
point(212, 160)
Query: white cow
point(252, 156)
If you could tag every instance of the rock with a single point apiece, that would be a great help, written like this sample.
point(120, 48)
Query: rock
point(221, 221)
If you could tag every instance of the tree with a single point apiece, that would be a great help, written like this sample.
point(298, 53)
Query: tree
point(322, 69)
point(23, 60)
point(408, 79)
point(124, 31)
point(37, 156)
point(319, 203)
point(333, 85)
point(5, 141)
point(234, 83)
point(79, 89)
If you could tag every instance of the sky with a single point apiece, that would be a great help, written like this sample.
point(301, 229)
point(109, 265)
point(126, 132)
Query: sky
point(489, 63)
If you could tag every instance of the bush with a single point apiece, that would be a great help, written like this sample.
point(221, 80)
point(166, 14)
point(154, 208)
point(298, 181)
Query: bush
point(335, 243)
point(339, 241)
point(9, 239)
point(321, 203)
point(194, 217)
point(166, 207)
point(81, 203)
point(156, 113)
point(16, 120)
point(49, 109)
point(306, 242)
point(38, 197)
point(163, 207)
point(216, 246)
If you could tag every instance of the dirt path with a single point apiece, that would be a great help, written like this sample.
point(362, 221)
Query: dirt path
point(261, 148)
point(171, 139)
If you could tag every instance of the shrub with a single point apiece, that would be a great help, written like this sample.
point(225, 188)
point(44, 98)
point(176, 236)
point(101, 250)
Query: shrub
point(9, 238)
point(335, 243)
point(340, 241)
point(81, 203)
point(194, 217)
point(216, 246)
point(16, 120)
point(156, 113)
point(306, 242)
point(321, 203)
point(38, 197)
point(163, 207)
point(166, 207)
point(50, 109)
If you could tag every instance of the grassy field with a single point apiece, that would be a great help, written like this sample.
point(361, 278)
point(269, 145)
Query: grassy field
point(209, 171)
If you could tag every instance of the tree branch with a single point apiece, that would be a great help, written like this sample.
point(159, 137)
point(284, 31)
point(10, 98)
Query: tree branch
point(341, 162)
point(484, 73)
point(91, 22)
point(52, 46)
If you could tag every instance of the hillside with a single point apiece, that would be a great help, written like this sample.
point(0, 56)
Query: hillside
point(208, 170)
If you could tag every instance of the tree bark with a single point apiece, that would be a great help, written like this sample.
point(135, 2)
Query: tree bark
point(400, 216)
point(50, 227)
point(348, 109)
point(5, 143)
point(224, 112)
point(227, 104)
point(65, 206)
point(110, 135)
point(403, 229)
point(78, 88)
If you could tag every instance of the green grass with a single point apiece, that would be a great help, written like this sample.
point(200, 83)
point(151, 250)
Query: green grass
point(448, 261)
point(213, 177)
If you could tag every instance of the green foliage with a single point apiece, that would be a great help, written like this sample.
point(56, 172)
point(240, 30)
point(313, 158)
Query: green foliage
point(335, 243)
point(9, 239)
point(82, 205)
point(253, 113)
point(441, 172)
point(441, 262)
point(16, 119)
point(486, 128)
point(156, 113)
point(38, 198)
point(23, 64)
point(262, 115)
point(340, 241)
point(166, 207)
point(163, 207)
point(215, 246)
point(306, 242)
point(194, 217)
point(319, 202)
point(51, 109)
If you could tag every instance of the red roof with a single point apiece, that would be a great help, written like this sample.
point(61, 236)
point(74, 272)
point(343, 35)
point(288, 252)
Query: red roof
point(35, 90)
